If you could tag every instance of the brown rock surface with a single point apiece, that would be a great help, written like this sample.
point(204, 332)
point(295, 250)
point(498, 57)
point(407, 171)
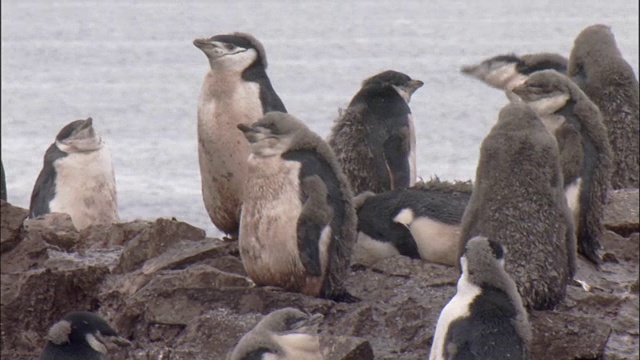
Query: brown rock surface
point(622, 213)
point(178, 295)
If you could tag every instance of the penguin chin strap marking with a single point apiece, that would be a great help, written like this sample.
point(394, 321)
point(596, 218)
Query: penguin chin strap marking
point(96, 344)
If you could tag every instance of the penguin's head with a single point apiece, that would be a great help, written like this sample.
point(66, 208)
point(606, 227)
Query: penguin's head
point(274, 134)
point(82, 329)
point(490, 65)
point(516, 116)
point(402, 83)
point(483, 261)
point(281, 333)
point(546, 91)
point(78, 136)
point(236, 51)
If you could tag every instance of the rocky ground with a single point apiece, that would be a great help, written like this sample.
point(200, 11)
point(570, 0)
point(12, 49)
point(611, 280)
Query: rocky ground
point(179, 295)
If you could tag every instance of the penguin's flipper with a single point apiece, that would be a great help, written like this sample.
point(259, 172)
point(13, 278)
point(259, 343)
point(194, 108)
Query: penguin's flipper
point(314, 219)
point(396, 154)
point(44, 189)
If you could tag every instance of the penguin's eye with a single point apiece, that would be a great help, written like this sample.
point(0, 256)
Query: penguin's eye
point(230, 46)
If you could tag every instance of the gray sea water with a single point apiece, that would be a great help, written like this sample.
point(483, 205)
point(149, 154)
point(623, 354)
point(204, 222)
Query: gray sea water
point(131, 65)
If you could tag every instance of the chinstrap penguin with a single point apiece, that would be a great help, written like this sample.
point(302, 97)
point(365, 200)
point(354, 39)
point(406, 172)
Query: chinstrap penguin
point(599, 69)
point(80, 335)
point(374, 138)
point(284, 334)
point(236, 90)
point(77, 178)
point(485, 319)
point(518, 200)
point(562, 105)
point(298, 226)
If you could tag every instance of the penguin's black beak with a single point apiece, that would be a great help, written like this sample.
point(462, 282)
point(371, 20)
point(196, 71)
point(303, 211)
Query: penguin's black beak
point(246, 129)
point(87, 124)
point(414, 85)
point(111, 341)
point(520, 89)
point(202, 43)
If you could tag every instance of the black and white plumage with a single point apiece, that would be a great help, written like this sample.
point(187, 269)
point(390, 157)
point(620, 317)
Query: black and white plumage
point(80, 335)
point(236, 90)
point(485, 319)
point(599, 69)
point(298, 225)
point(77, 178)
point(374, 138)
point(284, 334)
point(422, 222)
point(584, 146)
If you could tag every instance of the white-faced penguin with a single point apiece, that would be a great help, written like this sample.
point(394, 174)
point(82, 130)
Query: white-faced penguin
point(80, 335)
point(284, 334)
point(562, 106)
point(422, 222)
point(236, 90)
point(597, 66)
point(485, 319)
point(298, 226)
point(518, 200)
point(508, 71)
point(374, 138)
point(77, 178)
point(3, 183)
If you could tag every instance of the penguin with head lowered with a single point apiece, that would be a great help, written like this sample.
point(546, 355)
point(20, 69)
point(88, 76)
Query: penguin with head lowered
point(284, 334)
point(374, 138)
point(77, 178)
point(485, 319)
point(236, 90)
point(80, 335)
point(566, 110)
point(298, 225)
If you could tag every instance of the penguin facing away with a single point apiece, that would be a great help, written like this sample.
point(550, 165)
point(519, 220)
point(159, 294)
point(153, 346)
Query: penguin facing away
point(236, 90)
point(560, 102)
point(298, 225)
point(374, 138)
point(77, 178)
point(80, 335)
point(284, 334)
point(485, 319)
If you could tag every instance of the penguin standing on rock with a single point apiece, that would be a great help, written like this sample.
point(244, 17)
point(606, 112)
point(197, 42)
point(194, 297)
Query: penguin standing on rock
point(485, 319)
point(236, 90)
point(80, 335)
point(599, 69)
point(374, 138)
point(286, 334)
point(77, 178)
point(562, 105)
point(298, 226)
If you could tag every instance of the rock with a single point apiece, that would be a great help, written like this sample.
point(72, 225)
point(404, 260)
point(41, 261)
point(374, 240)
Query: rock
point(11, 219)
point(346, 348)
point(55, 228)
point(185, 253)
point(621, 213)
point(110, 235)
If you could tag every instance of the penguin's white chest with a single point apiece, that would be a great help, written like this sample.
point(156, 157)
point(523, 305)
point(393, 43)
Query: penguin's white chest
point(86, 188)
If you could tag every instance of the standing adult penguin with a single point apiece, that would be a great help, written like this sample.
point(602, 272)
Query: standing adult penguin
point(286, 334)
point(374, 138)
point(298, 225)
point(560, 102)
point(485, 319)
point(597, 66)
point(518, 200)
point(236, 90)
point(77, 178)
point(80, 335)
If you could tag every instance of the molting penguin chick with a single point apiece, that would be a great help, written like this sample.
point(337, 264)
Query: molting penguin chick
point(284, 334)
point(422, 222)
point(518, 200)
point(559, 102)
point(597, 66)
point(80, 335)
point(77, 178)
point(374, 138)
point(485, 319)
point(298, 226)
point(236, 90)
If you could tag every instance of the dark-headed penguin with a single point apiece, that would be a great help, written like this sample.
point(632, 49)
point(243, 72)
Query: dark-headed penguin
point(563, 106)
point(298, 226)
point(80, 335)
point(485, 319)
point(236, 90)
point(518, 200)
point(284, 334)
point(599, 69)
point(421, 222)
point(374, 138)
point(77, 178)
